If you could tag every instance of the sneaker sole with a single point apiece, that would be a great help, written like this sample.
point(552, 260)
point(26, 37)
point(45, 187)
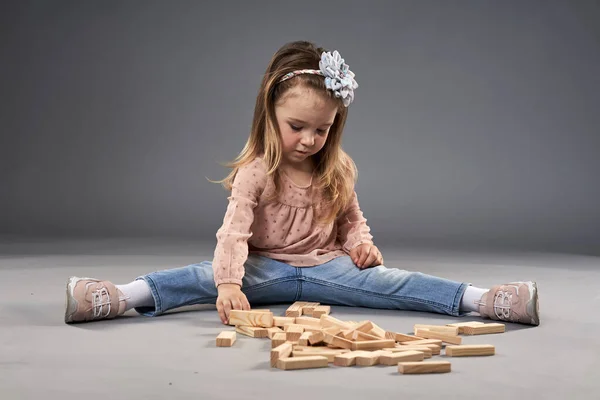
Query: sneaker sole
point(533, 305)
point(70, 302)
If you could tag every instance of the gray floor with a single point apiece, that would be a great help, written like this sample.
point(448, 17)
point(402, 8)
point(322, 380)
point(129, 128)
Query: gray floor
point(174, 356)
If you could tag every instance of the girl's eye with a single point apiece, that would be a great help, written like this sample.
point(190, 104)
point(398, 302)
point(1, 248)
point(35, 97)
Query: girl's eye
point(295, 128)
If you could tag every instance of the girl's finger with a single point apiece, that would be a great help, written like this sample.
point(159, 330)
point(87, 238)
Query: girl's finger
point(227, 309)
point(221, 312)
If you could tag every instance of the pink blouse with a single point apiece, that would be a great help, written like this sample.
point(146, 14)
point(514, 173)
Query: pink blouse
point(284, 229)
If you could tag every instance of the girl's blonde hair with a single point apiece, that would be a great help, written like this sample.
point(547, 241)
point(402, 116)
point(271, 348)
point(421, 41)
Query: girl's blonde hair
point(335, 171)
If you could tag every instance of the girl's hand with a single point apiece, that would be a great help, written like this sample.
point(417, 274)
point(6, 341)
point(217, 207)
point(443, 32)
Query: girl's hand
point(366, 255)
point(230, 298)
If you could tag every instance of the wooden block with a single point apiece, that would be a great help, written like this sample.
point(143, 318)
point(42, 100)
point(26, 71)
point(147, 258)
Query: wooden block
point(470, 350)
point(252, 331)
point(427, 352)
point(282, 321)
point(336, 341)
point(484, 329)
point(272, 331)
point(372, 344)
point(251, 318)
point(363, 327)
point(368, 358)
point(295, 310)
point(310, 328)
point(290, 363)
point(461, 325)
point(449, 330)
point(308, 308)
point(387, 358)
point(436, 342)
point(278, 339)
point(294, 332)
point(329, 321)
point(347, 359)
point(423, 367)
point(281, 351)
point(309, 321)
point(361, 336)
point(377, 331)
point(226, 339)
point(295, 327)
point(316, 337)
point(317, 349)
point(427, 334)
point(325, 352)
point(400, 337)
point(321, 310)
point(303, 341)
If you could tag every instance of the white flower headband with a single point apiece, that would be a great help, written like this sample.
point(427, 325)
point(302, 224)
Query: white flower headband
point(338, 77)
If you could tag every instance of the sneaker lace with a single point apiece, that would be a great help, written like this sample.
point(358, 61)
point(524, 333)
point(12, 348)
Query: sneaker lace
point(101, 303)
point(502, 304)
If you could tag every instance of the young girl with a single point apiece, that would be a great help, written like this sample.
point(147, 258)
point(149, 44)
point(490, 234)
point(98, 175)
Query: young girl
point(293, 230)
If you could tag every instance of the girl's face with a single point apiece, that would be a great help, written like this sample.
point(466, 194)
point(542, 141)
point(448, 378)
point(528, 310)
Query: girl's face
point(304, 118)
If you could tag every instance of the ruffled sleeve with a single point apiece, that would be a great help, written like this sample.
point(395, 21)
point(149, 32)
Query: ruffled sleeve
point(231, 251)
point(352, 226)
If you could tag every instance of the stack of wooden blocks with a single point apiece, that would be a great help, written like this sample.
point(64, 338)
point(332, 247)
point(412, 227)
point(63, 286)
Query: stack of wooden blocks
point(308, 337)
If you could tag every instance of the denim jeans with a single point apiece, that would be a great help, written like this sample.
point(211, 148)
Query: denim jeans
point(336, 282)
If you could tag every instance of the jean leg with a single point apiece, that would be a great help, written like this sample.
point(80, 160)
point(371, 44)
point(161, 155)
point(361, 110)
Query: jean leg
point(340, 282)
point(266, 281)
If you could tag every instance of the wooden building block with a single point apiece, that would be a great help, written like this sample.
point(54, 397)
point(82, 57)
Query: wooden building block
point(295, 310)
point(427, 352)
point(387, 358)
point(329, 321)
point(309, 321)
point(303, 340)
point(361, 336)
point(321, 310)
point(316, 337)
point(294, 332)
point(470, 350)
point(252, 331)
point(377, 331)
point(282, 321)
point(310, 328)
point(363, 327)
point(436, 342)
point(427, 334)
point(373, 344)
point(324, 352)
point(461, 325)
point(347, 359)
point(226, 339)
point(308, 308)
point(449, 330)
point(295, 327)
point(291, 363)
point(368, 358)
point(484, 329)
point(272, 331)
point(280, 351)
point(424, 367)
point(401, 337)
point(251, 318)
point(336, 341)
point(278, 339)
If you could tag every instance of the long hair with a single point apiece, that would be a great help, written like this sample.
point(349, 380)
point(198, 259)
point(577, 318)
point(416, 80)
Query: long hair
point(335, 171)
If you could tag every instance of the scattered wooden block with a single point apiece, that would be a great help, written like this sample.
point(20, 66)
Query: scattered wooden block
point(372, 344)
point(291, 363)
point(295, 327)
point(401, 337)
point(295, 310)
point(280, 351)
point(310, 328)
point(293, 332)
point(461, 325)
point(272, 331)
point(377, 331)
point(309, 321)
point(484, 329)
point(424, 367)
point(321, 310)
point(325, 352)
point(336, 341)
point(252, 331)
point(316, 337)
point(470, 350)
point(278, 339)
point(226, 339)
point(427, 334)
point(309, 308)
point(251, 318)
point(358, 335)
point(427, 352)
point(329, 321)
point(303, 340)
point(449, 330)
point(347, 359)
point(368, 358)
point(282, 321)
point(436, 342)
point(387, 358)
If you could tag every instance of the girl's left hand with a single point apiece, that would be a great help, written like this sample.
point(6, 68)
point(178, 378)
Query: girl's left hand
point(366, 255)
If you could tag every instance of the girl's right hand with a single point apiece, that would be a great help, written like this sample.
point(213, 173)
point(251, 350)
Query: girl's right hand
point(230, 298)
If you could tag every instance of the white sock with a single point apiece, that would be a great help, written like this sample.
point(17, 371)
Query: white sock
point(137, 294)
point(472, 295)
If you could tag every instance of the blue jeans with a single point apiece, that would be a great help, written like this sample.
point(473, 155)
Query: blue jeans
point(336, 282)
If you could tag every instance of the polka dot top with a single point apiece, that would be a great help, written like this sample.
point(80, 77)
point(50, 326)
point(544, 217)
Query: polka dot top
point(281, 229)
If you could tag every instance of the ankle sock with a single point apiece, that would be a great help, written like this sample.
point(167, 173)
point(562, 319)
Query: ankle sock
point(470, 298)
point(136, 294)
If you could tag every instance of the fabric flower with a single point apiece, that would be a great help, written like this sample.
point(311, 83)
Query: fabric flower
point(338, 76)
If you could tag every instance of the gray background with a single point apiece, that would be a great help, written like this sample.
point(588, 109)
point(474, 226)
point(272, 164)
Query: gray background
point(476, 123)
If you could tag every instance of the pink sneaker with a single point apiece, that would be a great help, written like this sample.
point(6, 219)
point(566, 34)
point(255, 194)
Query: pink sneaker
point(512, 302)
point(90, 299)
